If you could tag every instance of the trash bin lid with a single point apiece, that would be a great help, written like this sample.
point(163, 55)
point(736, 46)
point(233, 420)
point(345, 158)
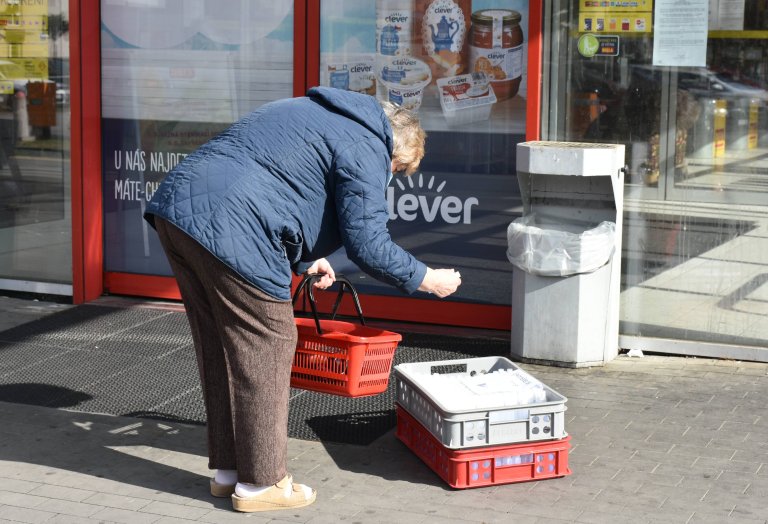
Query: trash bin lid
point(569, 158)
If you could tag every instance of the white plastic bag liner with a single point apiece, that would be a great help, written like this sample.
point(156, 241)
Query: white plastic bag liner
point(557, 250)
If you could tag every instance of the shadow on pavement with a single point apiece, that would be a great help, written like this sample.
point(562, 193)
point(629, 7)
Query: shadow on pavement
point(162, 456)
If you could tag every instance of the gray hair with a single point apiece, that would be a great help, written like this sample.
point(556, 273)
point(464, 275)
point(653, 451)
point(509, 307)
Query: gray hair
point(407, 134)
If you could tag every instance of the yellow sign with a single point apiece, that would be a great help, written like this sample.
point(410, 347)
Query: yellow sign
point(616, 16)
point(720, 113)
point(27, 23)
point(24, 46)
point(24, 50)
point(23, 68)
point(604, 22)
point(23, 36)
point(23, 7)
point(35, 67)
point(614, 6)
point(754, 106)
point(6, 87)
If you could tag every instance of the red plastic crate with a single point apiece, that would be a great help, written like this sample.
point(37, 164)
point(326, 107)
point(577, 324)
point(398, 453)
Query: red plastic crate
point(348, 359)
point(484, 466)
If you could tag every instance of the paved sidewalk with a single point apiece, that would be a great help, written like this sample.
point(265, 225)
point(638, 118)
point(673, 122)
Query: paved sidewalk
point(655, 440)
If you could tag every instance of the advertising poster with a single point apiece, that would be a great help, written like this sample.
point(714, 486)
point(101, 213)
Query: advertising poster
point(629, 16)
point(175, 77)
point(462, 65)
point(408, 51)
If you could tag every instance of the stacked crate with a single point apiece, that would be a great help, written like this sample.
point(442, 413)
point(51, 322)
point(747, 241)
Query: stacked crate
point(481, 421)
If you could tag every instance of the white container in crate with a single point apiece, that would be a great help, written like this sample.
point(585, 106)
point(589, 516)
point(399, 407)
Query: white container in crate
point(466, 98)
point(478, 411)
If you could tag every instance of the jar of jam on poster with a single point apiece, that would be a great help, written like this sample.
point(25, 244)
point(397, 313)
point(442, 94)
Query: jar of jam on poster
point(441, 28)
point(496, 49)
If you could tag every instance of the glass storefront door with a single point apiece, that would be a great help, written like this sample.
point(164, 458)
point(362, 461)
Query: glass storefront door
point(462, 65)
point(35, 213)
point(695, 254)
point(175, 74)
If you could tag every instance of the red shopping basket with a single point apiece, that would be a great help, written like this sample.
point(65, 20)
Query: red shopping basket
point(337, 357)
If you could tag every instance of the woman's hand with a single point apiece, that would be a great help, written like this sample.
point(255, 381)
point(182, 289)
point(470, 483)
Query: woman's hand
point(441, 282)
point(322, 266)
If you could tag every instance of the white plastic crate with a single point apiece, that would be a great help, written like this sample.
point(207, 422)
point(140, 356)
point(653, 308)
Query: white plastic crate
point(474, 414)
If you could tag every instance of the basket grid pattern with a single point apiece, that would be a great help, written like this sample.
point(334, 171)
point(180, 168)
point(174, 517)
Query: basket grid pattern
point(338, 357)
point(349, 368)
point(417, 405)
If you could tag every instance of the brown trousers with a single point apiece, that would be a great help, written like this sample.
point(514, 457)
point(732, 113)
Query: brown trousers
point(244, 341)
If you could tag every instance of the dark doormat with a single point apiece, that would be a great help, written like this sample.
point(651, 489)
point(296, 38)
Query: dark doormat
point(139, 362)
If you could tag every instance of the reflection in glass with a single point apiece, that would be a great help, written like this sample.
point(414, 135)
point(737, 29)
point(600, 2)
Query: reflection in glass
point(35, 225)
point(695, 253)
point(174, 75)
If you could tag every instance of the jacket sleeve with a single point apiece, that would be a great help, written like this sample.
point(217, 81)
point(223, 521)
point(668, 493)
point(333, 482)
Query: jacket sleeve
point(299, 268)
point(360, 178)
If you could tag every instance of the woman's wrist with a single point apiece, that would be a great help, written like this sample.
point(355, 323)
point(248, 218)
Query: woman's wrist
point(426, 283)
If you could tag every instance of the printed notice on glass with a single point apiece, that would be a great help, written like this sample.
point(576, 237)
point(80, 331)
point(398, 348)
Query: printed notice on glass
point(680, 33)
point(730, 15)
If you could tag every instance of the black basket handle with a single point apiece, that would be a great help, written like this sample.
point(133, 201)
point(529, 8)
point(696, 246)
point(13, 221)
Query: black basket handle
point(306, 285)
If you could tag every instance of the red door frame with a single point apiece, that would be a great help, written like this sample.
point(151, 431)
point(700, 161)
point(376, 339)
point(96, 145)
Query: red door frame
point(85, 157)
point(89, 278)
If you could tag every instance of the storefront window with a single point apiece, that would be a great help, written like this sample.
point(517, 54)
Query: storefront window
point(462, 65)
point(694, 254)
point(35, 225)
point(175, 74)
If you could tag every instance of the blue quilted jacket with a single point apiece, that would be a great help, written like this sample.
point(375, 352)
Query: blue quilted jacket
point(288, 184)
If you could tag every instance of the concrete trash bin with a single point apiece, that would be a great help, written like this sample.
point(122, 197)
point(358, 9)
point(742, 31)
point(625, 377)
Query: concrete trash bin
point(566, 253)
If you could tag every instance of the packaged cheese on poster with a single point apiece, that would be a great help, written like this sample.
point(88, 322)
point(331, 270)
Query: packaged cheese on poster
point(466, 98)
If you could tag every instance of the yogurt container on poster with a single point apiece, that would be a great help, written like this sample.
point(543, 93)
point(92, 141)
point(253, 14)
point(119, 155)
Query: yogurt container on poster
point(394, 27)
point(403, 80)
point(356, 73)
point(362, 76)
point(466, 98)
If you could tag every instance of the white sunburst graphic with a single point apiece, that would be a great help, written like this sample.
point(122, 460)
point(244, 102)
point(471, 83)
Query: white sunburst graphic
point(421, 183)
point(409, 205)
